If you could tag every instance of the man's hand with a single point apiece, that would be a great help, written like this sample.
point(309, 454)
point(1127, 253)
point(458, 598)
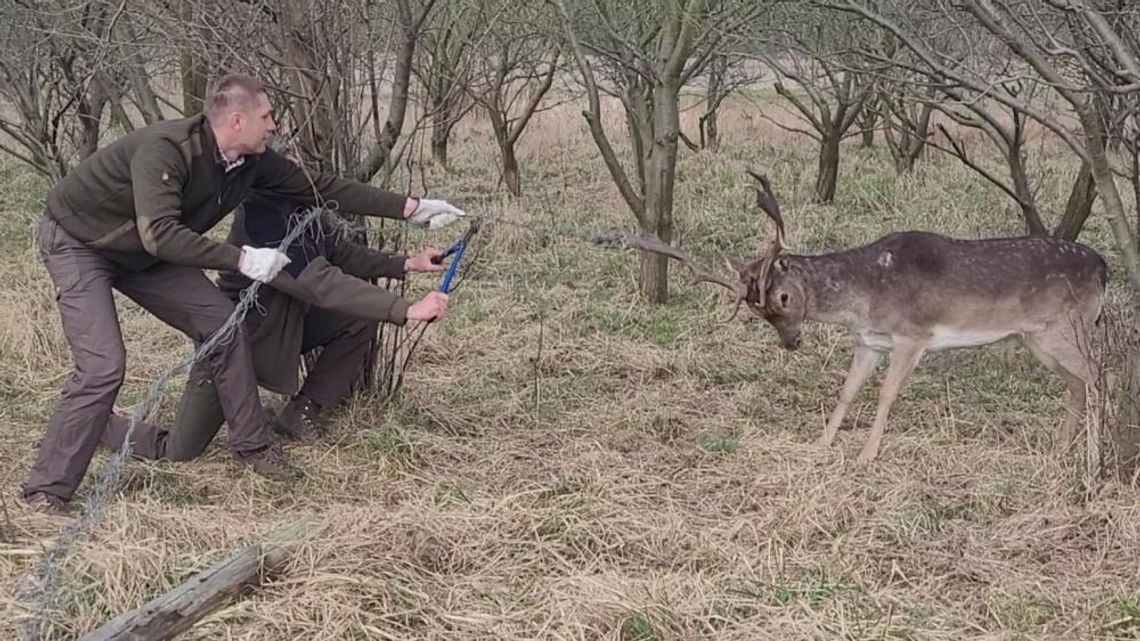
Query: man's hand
point(422, 262)
point(432, 213)
point(261, 263)
point(431, 307)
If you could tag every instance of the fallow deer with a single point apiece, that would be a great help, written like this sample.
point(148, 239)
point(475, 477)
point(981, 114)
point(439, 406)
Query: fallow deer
point(913, 292)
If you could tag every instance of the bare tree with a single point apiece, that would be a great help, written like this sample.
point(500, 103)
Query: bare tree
point(1006, 129)
point(726, 72)
point(980, 67)
point(903, 108)
point(444, 66)
point(193, 62)
point(409, 20)
point(326, 65)
point(906, 127)
point(820, 57)
point(518, 62)
point(868, 118)
point(717, 90)
point(329, 55)
point(63, 64)
point(647, 52)
point(138, 88)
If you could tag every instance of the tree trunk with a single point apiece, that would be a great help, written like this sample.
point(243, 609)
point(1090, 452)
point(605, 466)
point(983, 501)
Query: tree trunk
point(313, 87)
point(1126, 439)
point(906, 149)
point(710, 133)
point(440, 118)
point(446, 105)
point(905, 160)
point(145, 98)
point(381, 152)
point(868, 136)
point(120, 118)
point(907, 140)
point(1077, 210)
point(89, 110)
point(193, 84)
point(828, 174)
point(440, 136)
point(193, 70)
point(1125, 434)
point(1113, 204)
point(917, 141)
point(508, 163)
point(639, 121)
point(660, 174)
point(1026, 202)
point(868, 117)
point(510, 168)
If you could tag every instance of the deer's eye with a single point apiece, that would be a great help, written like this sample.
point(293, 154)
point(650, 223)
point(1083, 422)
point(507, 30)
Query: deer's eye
point(784, 298)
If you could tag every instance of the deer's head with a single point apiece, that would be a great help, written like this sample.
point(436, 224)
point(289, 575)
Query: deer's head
point(773, 288)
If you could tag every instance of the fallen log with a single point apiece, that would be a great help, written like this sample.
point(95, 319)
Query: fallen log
point(175, 612)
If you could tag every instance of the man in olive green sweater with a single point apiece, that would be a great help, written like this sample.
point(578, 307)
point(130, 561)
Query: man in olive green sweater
point(322, 299)
point(132, 217)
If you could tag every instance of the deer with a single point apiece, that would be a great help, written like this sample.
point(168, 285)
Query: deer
point(910, 293)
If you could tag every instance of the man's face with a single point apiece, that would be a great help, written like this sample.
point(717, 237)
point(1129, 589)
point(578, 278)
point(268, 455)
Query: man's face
point(254, 126)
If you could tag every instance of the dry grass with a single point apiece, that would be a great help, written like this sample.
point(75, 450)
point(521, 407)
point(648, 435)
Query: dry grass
point(567, 463)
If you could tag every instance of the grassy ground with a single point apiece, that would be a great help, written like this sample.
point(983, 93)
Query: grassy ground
point(568, 463)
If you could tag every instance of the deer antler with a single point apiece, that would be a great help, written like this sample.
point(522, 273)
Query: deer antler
point(649, 242)
point(766, 200)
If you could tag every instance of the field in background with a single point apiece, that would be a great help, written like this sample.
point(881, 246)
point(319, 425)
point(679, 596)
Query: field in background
point(569, 463)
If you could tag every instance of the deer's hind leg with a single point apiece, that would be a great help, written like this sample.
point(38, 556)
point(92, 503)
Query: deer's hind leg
point(1062, 350)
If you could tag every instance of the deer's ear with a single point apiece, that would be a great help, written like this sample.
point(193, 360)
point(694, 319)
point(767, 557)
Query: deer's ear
point(735, 264)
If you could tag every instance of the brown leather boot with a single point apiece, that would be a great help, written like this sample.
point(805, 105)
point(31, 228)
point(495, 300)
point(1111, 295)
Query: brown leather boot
point(298, 420)
point(269, 462)
point(45, 503)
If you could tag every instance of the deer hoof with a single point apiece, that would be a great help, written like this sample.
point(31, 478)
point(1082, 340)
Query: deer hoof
point(865, 457)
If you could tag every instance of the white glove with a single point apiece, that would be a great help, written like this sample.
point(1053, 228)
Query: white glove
point(261, 263)
point(435, 213)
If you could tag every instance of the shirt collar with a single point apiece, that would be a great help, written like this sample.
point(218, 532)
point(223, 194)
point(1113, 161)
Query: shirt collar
point(207, 133)
point(227, 163)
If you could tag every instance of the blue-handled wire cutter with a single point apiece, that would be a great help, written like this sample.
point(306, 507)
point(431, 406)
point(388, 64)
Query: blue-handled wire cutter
point(456, 250)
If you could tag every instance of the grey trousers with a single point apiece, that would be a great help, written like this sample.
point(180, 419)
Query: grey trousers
point(344, 342)
point(181, 296)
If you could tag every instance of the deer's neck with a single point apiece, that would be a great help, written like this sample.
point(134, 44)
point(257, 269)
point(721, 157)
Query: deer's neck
point(834, 289)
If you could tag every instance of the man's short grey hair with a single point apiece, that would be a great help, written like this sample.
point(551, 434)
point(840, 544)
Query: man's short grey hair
point(235, 91)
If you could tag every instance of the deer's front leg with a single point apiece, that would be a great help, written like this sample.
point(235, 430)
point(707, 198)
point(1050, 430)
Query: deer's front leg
point(862, 365)
point(904, 356)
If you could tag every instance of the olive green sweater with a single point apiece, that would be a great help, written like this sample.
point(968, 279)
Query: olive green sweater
point(152, 194)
